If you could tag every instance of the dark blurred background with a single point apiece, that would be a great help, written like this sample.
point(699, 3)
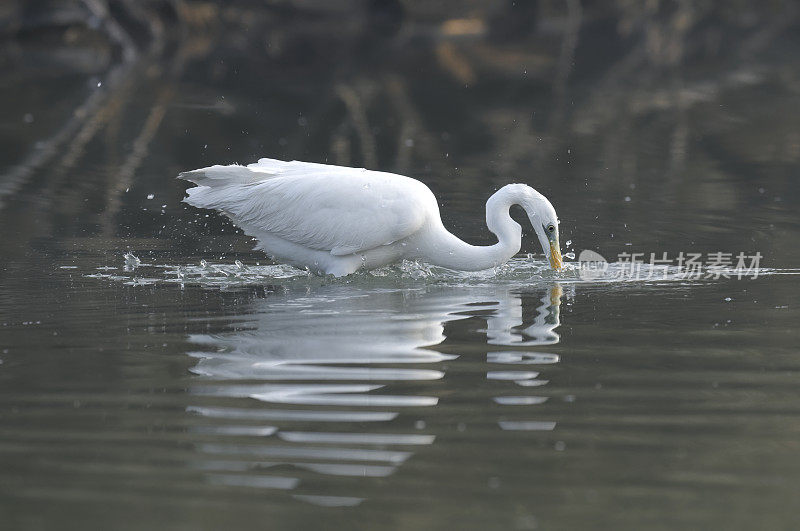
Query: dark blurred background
point(658, 125)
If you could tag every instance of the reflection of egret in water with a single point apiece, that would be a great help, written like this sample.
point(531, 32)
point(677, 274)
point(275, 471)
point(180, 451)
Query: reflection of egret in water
point(501, 331)
point(315, 385)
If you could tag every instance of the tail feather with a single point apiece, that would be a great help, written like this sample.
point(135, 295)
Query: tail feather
point(216, 176)
point(218, 186)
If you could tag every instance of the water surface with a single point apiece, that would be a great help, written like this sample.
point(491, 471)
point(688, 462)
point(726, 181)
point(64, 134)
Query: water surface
point(203, 387)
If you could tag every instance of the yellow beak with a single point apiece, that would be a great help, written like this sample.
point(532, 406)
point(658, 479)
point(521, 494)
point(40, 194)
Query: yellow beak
point(555, 257)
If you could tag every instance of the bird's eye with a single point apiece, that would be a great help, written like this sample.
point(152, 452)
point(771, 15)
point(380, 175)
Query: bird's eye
point(551, 228)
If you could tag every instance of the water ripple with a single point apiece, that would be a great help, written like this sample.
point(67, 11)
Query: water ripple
point(333, 347)
point(519, 271)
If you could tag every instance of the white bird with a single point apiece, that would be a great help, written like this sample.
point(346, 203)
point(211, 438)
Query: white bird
point(337, 220)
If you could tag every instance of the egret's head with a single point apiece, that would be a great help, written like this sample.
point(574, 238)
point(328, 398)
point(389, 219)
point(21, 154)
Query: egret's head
point(545, 222)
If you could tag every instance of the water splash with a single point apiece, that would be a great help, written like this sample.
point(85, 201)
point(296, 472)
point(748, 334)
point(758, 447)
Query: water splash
point(131, 260)
point(520, 271)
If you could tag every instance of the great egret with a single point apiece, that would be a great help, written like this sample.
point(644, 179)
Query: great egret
point(336, 220)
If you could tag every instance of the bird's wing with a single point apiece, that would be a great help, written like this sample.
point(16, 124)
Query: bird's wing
point(331, 208)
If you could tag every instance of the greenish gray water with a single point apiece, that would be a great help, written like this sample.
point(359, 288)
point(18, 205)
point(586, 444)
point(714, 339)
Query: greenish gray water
point(169, 395)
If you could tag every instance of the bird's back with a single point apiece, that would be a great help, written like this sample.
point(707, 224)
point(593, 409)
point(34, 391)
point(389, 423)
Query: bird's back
point(329, 208)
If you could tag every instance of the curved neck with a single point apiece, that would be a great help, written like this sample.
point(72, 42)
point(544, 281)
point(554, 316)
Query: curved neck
point(444, 249)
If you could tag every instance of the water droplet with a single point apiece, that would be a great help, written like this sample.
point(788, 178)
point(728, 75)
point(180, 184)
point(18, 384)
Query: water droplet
point(131, 259)
point(150, 196)
point(627, 199)
point(569, 242)
point(728, 299)
point(203, 264)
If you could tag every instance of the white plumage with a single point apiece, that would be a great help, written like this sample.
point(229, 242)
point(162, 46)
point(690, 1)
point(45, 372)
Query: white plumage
point(336, 220)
